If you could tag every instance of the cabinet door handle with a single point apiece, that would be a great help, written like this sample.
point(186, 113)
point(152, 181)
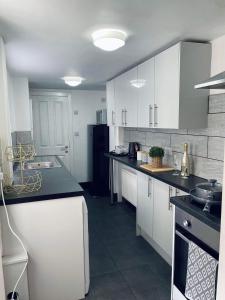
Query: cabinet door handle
point(150, 115)
point(125, 112)
point(170, 194)
point(113, 117)
point(155, 115)
point(149, 188)
point(122, 117)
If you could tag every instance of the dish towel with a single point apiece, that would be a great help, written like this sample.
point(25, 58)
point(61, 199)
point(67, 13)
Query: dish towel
point(201, 274)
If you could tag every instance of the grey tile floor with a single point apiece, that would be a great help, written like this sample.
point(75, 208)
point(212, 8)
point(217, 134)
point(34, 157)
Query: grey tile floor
point(122, 266)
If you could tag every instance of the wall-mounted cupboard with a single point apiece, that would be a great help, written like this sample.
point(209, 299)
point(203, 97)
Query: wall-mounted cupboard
point(159, 93)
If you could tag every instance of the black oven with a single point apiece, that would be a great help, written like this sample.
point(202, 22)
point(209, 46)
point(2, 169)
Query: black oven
point(188, 228)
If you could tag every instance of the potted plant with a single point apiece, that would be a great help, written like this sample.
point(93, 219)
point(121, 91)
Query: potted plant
point(156, 153)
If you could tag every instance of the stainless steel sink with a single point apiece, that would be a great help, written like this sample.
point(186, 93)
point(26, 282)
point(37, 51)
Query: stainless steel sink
point(50, 162)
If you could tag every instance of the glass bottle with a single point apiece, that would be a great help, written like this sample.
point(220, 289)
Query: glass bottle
point(185, 167)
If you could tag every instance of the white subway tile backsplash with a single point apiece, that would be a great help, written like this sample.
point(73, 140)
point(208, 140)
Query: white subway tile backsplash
point(157, 139)
point(138, 136)
point(216, 148)
point(216, 124)
point(217, 103)
point(197, 144)
point(127, 136)
point(208, 168)
point(206, 146)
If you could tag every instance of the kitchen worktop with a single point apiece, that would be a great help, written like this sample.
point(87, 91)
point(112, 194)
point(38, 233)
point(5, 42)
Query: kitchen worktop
point(185, 203)
point(184, 184)
point(56, 183)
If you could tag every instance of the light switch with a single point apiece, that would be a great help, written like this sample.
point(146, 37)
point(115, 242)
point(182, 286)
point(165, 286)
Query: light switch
point(76, 133)
point(75, 112)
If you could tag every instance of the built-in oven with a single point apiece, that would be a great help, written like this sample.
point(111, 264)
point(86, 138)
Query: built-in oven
point(187, 229)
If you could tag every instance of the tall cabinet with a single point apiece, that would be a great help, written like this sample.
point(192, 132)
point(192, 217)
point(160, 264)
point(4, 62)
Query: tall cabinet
point(126, 99)
point(110, 95)
point(146, 94)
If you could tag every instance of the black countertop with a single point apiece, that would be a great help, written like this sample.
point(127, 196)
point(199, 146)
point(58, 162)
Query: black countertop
point(56, 183)
point(185, 203)
point(184, 184)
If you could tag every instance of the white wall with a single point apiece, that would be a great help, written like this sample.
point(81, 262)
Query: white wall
point(86, 103)
point(18, 90)
point(218, 59)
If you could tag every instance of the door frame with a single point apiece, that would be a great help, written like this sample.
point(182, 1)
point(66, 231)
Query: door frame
point(40, 92)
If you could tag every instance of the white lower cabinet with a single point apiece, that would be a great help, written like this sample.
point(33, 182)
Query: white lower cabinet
point(129, 186)
point(155, 213)
point(145, 204)
point(163, 216)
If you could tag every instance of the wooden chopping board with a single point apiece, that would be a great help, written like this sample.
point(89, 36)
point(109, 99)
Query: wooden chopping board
point(150, 168)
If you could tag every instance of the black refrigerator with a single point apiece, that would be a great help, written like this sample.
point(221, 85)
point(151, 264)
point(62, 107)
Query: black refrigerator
point(99, 144)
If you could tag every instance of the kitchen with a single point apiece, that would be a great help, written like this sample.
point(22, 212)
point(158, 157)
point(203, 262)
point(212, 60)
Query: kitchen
point(55, 74)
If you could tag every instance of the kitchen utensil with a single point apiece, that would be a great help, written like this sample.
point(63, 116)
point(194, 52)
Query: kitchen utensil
point(151, 168)
point(133, 148)
point(208, 193)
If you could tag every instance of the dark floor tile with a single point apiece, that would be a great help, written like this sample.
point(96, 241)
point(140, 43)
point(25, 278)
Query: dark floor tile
point(101, 264)
point(107, 285)
point(147, 292)
point(141, 275)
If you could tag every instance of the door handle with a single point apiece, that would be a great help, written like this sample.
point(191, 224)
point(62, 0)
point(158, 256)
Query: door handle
point(155, 115)
point(150, 115)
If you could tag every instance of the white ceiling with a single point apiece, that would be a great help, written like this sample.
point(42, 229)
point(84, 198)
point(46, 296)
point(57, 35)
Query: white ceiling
point(48, 39)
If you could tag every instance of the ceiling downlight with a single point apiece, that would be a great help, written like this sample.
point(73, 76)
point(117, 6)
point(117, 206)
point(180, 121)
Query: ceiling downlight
point(109, 39)
point(73, 80)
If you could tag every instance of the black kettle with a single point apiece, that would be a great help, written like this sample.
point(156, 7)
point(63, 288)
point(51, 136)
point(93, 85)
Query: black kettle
point(133, 148)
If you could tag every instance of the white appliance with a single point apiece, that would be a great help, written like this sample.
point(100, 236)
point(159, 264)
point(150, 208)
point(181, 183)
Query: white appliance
point(55, 233)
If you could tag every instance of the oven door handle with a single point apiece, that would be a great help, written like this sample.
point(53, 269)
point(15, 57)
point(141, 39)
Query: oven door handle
point(182, 236)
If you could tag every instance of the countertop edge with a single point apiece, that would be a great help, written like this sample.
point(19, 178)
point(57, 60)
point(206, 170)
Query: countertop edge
point(152, 174)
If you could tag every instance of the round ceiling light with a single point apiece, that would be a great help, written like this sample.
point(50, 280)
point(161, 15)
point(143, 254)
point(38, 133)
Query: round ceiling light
point(138, 83)
point(109, 39)
point(73, 80)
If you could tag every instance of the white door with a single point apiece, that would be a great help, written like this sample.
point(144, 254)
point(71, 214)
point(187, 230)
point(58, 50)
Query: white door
point(120, 96)
point(51, 126)
point(111, 114)
point(163, 216)
point(131, 99)
point(167, 88)
point(126, 97)
point(145, 203)
point(146, 72)
point(129, 186)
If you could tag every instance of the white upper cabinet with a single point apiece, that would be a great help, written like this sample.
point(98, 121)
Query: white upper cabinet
point(110, 96)
point(178, 104)
point(167, 98)
point(126, 97)
point(146, 76)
